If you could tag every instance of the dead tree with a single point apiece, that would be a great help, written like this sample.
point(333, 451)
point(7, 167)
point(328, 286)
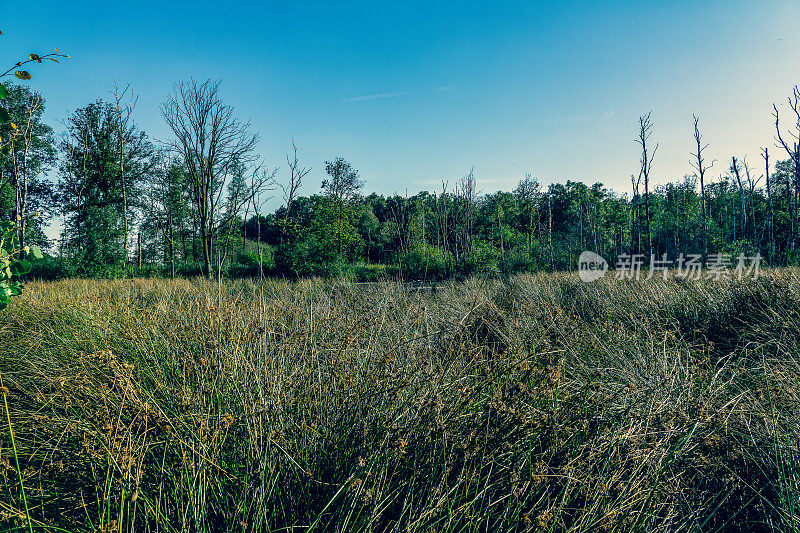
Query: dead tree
point(636, 230)
point(752, 183)
point(735, 169)
point(698, 163)
point(261, 181)
point(645, 164)
point(792, 148)
point(466, 192)
point(550, 229)
point(296, 175)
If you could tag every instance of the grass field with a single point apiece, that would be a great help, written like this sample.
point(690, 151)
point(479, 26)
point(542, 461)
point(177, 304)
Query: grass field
point(540, 403)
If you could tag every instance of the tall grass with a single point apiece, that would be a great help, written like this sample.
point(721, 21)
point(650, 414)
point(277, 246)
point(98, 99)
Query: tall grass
point(538, 403)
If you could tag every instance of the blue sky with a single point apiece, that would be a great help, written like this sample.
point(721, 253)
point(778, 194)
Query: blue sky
point(416, 92)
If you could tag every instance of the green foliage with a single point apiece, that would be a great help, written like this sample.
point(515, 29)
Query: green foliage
point(179, 219)
point(365, 272)
point(481, 259)
point(518, 260)
point(15, 262)
point(343, 181)
point(29, 154)
point(94, 196)
point(245, 264)
point(425, 261)
point(15, 255)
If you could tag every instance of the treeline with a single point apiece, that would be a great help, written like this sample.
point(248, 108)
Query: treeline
point(195, 204)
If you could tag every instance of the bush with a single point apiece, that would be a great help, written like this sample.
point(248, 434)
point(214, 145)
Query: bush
point(50, 268)
point(482, 259)
point(366, 272)
point(424, 262)
point(516, 261)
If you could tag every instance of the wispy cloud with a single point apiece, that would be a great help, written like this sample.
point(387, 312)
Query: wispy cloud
point(576, 119)
point(440, 89)
point(587, 117)
point(375, 96)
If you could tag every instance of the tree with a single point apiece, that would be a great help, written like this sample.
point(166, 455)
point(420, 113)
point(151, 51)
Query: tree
point(30, 152)
point(466, 192)
point(343, 183)
point(123, 105)
point(296, 175)
point(645, 164)
point(235, 203)
point(771, 220)
point(90, 192)
point(735, 169)
point(290, 190)
point(527, 194)
point(211, 141)
point(165, 211)
point(698, 163)
point(261, 181)
point(791, 145)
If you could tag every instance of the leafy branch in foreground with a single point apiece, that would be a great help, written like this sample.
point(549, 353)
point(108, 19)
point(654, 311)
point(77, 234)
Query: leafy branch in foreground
point(15, 259)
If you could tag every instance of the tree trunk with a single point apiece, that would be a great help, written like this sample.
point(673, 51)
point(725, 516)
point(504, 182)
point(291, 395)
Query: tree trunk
point(206, 239)
point(703, 209)
point(550, 231)
point(258, 244)
point(171, 246)
point(790, 238)
point(770, 223)
point(741, 197)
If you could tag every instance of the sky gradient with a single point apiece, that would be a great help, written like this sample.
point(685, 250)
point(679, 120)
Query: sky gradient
point(414, 93)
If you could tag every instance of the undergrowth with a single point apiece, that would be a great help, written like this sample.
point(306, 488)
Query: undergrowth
point(538, 403)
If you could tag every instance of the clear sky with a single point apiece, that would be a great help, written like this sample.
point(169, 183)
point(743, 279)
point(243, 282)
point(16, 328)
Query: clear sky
point(412, 93)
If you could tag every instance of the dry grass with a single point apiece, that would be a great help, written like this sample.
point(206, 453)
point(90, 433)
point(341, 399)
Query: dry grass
point(540, 403)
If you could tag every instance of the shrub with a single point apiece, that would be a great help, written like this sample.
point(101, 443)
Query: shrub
point(425, 261)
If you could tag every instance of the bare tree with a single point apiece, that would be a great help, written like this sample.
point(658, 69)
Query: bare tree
point(636, 230)
point(550, 227)
point(211, 141)
point(296, 175)
point(466, 191)
point(752, 183)
point(645, 164)
point(261, 181)
point(124, 104)
point(735, 169)
point(792, 148)
point(700, 167)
